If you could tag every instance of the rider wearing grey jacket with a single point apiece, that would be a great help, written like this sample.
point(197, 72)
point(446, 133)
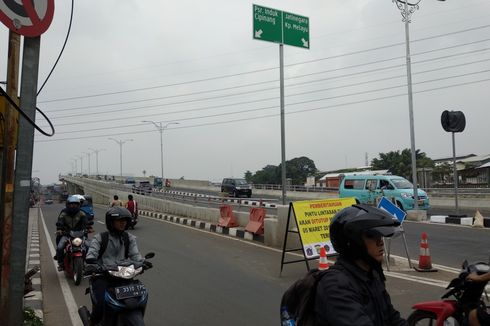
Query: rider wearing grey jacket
point(118, 245)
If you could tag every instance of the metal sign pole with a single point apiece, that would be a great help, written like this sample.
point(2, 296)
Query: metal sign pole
point(283, 137)
point(388, 250)
point(23, 169)
point(455, 177)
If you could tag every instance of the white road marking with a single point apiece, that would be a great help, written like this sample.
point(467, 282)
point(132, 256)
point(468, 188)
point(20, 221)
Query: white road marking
point(65, 288)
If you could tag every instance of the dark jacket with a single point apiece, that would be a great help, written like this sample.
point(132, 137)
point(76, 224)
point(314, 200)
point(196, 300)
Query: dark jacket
point(67, 222)
point(348, 295)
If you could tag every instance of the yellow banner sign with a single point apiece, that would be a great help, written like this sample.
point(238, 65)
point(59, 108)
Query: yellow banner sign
point(313, 221)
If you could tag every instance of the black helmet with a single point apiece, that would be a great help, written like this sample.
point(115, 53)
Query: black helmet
point(348, 226)
point(116, 213)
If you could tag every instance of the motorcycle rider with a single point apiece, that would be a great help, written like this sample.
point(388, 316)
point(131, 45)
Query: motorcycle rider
point(70, 218)
point(481, 315)
point(115, 201)
point(120, 245)
point(353, 292)
point(132, 207)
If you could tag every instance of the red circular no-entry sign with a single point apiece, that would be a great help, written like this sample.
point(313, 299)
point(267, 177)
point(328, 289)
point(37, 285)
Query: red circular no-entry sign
point(27, 17)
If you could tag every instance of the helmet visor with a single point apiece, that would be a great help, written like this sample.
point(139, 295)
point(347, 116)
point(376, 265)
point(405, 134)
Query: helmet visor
point(382, 231)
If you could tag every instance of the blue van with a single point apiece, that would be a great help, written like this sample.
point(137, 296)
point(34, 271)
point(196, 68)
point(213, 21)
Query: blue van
point(367, 188)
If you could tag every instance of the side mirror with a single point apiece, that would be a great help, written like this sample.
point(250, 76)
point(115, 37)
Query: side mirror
point(149, 255)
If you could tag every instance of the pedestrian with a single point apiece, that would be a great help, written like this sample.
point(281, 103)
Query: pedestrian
point(354, 293)
point(115, 201)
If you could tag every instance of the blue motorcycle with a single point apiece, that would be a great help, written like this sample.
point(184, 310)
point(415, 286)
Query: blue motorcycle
point(125, 299)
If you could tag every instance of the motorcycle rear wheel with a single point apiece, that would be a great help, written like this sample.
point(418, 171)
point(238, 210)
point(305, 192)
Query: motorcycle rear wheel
point(426, 318)
point(77, 270)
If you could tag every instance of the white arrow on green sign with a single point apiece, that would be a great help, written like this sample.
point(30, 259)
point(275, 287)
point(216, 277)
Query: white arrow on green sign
point(280, 27)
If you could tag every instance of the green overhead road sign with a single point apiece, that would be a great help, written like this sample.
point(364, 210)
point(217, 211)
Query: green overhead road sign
point(280, 27)
point(267, 24)
point(296, 30)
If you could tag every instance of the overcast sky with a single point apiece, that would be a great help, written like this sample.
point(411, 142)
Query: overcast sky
point(197, 64)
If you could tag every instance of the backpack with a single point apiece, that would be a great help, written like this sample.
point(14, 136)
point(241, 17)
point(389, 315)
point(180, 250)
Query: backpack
point(298, 302)
point(105, 240)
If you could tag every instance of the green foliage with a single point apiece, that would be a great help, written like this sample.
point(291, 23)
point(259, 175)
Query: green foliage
point(401, 163)
point(297, 169)
point(248, 176)
point(30, 318)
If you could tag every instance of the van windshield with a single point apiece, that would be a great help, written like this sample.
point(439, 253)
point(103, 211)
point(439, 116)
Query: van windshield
point(240, 182)
point(402, 183)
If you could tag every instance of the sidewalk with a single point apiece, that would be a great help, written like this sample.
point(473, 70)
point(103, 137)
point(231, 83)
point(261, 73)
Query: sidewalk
point(34, 299)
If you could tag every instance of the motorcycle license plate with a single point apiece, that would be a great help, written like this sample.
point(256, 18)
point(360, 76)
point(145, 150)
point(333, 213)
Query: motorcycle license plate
point(129, 291)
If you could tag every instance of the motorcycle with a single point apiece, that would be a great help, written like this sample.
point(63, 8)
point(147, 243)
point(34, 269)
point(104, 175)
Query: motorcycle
point(125, 298)
point(134, 220)
point(74, 255)
point(467, 296)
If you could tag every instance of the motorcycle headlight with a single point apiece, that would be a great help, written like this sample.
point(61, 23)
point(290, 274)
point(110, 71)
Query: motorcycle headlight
point(126, 272)
point(77, 242)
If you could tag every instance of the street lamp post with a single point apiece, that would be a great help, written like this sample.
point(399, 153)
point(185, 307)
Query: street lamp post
point(81, 163)
point(88, 155)
point(160, 127)
point(96, 151)
point(120, 142)
point(407, 8)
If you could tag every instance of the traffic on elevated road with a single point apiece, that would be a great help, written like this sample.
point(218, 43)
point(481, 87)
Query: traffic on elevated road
point(202, 278)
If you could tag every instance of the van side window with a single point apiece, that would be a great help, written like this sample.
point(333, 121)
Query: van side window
point(371, 184)
point(349, 184)
point(384, 184)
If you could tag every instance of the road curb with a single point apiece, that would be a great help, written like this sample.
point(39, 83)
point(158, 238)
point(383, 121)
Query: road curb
point(34, 299)
point(233, 232)
point(466, 221)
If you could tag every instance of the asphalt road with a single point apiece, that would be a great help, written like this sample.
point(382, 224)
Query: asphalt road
point(201, 278)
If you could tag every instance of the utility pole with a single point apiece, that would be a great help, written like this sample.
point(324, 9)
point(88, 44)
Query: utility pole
point(7, 184)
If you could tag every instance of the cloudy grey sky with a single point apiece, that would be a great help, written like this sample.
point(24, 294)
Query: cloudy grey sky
point(196, 63)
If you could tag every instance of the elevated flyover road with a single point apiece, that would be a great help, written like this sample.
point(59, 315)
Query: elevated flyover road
point(203, 278)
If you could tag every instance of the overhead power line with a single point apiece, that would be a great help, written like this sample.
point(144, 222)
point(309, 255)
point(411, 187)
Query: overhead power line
point(263, 99)
point(263, 70)
point(294, 112)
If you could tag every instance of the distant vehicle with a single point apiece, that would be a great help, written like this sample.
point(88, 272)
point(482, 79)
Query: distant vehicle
point(48, 201)
point(236, 187)
point(129, 180)
point(142, 188)
point(158, 182)
point(367, 188)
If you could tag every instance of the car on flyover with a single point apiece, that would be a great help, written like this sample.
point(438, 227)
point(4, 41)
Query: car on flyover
point(236, 187)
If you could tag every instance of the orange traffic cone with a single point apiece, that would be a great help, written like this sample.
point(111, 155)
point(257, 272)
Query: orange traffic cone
point(425, 263)
point(323, 263)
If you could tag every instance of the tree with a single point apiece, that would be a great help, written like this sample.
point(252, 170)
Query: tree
point(268, 175)
point(248, 176)
point(401, 163)
point(297, 169)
